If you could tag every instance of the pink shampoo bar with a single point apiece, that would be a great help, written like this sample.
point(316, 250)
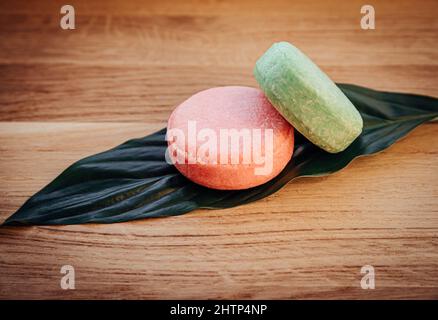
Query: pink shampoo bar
point(229, 138)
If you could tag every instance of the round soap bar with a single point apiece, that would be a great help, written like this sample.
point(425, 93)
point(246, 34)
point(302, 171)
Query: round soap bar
point(229, 138)
point(307, 97)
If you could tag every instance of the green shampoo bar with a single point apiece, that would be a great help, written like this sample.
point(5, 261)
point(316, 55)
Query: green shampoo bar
point(307, 98)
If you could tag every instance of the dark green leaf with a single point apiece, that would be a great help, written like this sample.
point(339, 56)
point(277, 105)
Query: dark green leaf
point(133, 181)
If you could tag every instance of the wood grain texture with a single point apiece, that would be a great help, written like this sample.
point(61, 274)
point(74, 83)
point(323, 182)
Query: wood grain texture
point(68, 94)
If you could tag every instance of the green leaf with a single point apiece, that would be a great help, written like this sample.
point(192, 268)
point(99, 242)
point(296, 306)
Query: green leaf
point(133, 180)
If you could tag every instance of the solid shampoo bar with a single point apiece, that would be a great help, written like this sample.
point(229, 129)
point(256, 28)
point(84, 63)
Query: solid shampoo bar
point(217, 125)
point(307, 97)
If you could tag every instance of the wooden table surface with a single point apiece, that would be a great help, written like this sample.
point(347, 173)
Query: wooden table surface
point(66, 94)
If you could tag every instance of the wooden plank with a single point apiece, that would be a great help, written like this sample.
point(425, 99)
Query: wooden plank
point(308, 240)
point(216, 7)
point(123, 63)
point(95, 94)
